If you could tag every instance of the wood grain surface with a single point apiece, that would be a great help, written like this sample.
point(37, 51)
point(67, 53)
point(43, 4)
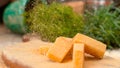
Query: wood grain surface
point(25, 56)
point(2, 65)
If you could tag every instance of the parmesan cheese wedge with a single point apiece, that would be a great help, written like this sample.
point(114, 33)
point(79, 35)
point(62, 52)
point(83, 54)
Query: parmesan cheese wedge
point(92, 46)
point(60, 49)
point(78, 55)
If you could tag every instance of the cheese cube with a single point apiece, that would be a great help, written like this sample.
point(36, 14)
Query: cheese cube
point(43, 50)
point(92, 46)
point(78, 55)
point(60, 49)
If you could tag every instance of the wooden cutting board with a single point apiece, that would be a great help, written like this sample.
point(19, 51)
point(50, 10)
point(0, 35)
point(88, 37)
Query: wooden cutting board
point(2, 65)
point(24, 55)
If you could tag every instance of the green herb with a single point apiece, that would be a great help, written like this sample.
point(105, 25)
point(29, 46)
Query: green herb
point(104, 25)
point(51, 21)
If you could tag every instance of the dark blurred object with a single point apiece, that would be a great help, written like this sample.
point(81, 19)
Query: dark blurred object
point(31, 4)
point(30, 36)
point(95, 4)
point(117, 3)
point(3, 4)
point(26, 38)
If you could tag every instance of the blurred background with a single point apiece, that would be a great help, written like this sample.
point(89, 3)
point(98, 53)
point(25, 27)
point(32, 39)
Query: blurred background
point(90, 4)
point(13, 27)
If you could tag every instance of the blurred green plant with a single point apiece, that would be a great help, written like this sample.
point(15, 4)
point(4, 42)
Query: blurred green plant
point(104, 25)
point(51, 21)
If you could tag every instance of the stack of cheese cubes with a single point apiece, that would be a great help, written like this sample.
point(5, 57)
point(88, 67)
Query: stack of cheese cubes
point(78, 46)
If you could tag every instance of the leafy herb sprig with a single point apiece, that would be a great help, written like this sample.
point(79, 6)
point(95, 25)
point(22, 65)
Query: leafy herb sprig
point(104, 25)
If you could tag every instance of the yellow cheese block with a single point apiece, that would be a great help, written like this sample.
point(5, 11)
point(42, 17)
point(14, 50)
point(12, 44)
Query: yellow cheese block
point(78, 55)
point(60, 49)
point(92, 46)
point(42, 50)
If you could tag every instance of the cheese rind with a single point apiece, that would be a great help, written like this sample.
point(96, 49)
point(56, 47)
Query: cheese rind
point(78, 55)
point(60, 49)
point(92, 46)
